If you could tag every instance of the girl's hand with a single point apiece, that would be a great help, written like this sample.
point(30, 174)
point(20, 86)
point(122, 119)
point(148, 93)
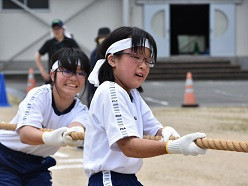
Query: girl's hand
point(55, 137)
point(185, 145)
point(68, 139)
point(167, 132)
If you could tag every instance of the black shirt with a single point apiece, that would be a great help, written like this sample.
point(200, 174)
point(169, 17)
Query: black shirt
point(52, 45)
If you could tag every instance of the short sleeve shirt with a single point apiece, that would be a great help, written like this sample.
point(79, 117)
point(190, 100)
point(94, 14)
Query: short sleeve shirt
point(36, 110)
point(114, 116)
point(52, 45)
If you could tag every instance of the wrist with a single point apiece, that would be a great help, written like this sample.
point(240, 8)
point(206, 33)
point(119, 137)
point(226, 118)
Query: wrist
point(173, 147)
point(44, 138)
point(166, 148)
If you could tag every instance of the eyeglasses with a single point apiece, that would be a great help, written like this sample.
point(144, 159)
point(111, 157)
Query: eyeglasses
point(68, 73)
point(140, 58)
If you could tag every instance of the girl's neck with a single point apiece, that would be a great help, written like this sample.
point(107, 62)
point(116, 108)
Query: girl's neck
point(61, 102)
point(128, 90)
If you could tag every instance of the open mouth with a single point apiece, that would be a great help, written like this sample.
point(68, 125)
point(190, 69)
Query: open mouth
point(71, 85)
point(139, 75)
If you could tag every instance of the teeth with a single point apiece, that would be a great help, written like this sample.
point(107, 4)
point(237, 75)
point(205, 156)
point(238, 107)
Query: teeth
point(139, 75)
point(71, 85)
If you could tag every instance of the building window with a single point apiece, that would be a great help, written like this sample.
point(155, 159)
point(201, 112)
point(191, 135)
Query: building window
point(37, 4)
point(32, 4)
point(7, 4)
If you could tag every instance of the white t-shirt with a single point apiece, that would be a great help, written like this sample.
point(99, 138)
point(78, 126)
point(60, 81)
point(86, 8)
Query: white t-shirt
point(38, 110)
point(113, 117)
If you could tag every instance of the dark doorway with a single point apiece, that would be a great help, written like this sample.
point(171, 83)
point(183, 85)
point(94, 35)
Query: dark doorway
point(189, 29)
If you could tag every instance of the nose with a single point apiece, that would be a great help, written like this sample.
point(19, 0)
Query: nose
point(73, 76)
point(142, 65)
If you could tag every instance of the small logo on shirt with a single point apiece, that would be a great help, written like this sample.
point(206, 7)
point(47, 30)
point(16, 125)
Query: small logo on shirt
point(135, 117)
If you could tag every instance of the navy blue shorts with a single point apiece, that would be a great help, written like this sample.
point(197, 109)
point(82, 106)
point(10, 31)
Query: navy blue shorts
point(21, 169)
point(110, 178)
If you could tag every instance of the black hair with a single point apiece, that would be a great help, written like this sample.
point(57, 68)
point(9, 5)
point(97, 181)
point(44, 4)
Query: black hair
point(138, 37)
point(69, 58)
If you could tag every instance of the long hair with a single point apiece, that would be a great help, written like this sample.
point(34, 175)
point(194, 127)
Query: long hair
point(69, 59)
point(138, 39)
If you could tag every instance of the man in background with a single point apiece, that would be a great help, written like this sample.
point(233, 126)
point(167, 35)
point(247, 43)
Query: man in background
point(58, 41)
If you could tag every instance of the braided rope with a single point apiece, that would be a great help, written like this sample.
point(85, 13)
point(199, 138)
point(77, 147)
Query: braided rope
point(205, 143)
point(74, 135)
point(228, 145)
point(214, 144)
point(7, 126)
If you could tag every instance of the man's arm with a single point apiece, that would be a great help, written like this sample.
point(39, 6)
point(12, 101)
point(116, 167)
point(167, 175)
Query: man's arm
point(43, 72)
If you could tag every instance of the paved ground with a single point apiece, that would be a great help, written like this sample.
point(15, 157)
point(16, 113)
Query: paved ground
point(171, 93)
point(207, 93)
point(216, 168)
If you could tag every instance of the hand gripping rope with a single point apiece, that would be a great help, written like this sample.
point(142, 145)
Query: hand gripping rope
point(205, 143)
point(74, 135)
point(215, 144)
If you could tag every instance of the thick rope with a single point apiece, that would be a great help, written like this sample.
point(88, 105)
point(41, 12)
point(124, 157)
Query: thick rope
point(205, 143)
point(215, 144)
point(74, 135)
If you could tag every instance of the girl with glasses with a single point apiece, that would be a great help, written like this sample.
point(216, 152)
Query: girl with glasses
point(114, 144)
point(25, 153)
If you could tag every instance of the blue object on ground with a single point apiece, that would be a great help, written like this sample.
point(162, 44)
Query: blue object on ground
point(3, 96)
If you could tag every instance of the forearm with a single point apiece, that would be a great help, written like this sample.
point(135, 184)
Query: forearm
point(141, 148)
point(39, 64)
point(30, 135)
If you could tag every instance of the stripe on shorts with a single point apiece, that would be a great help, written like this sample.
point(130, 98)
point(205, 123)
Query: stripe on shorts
point(106, 176)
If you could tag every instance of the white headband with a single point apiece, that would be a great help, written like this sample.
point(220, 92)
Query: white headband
point(115, 47)
point(56, 65)
point(122, 45)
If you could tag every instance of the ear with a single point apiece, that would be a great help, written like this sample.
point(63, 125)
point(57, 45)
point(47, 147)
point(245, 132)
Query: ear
point(111, 60)
point(52, 75)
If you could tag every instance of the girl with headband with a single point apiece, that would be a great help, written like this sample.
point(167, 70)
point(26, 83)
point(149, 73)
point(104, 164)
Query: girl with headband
point(114, 144)
point(25, 153)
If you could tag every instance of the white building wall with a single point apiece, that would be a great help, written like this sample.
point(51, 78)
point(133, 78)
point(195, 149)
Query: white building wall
point(19, 29)
point(242, 29)
point(136, 14)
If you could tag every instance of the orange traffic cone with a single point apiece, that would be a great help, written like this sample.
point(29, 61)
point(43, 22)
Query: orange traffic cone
point(189, 95)
point(31, 80)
